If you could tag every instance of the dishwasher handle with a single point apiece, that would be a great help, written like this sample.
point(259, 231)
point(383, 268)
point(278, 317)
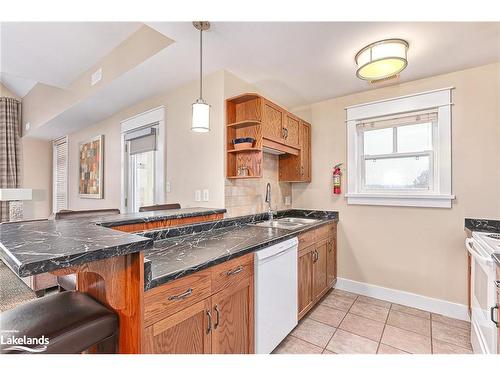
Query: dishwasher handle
point(275, 255)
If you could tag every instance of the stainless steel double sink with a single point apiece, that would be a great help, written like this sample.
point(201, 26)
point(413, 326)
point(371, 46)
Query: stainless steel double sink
point(289, 223)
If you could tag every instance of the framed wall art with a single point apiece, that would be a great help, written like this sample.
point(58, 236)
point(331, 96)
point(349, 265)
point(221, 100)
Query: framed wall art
point(91, 168)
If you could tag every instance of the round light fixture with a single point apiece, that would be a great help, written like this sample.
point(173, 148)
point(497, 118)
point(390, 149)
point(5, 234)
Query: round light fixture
point(382, 60)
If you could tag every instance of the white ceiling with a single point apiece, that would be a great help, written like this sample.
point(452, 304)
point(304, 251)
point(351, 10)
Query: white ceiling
point(55, 53)
point(294, 63)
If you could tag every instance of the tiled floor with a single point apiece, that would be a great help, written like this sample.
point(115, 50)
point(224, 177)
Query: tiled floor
point(345, 323)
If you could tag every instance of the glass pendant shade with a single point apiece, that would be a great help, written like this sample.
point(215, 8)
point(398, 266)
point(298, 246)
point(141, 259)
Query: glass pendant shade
point(382, 59)
point(201, 116)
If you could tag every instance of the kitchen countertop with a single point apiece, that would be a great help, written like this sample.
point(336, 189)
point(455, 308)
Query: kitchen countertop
point(36, 247)
point(482, 225)
point(180, 251)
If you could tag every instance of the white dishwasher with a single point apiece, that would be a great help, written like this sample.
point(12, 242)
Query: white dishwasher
point(275, 294)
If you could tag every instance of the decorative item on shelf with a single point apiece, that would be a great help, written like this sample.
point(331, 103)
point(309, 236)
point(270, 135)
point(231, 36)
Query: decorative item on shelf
point(91, 168)
point(242, 143)
point(15, 197)
point(201, 110)
point(382, 60)
point(243, 171)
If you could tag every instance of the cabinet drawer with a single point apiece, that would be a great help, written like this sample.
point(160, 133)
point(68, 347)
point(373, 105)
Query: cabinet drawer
point(174, 296)
point(231, 272)
point(306, 239)
point(324, 232)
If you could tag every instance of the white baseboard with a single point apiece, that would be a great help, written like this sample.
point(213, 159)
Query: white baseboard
point(438, 306)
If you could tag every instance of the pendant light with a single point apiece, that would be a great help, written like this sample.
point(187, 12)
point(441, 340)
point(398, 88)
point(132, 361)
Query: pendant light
point(382, 60)
point(201, 110)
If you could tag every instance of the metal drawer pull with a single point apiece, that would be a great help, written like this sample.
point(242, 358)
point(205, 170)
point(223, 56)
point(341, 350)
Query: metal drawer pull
point(216, 308)
point(186, 294)
point(235, 271)
point(209, 327)
point(492, 312)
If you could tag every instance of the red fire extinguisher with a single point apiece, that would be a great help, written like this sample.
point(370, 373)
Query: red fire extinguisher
point(337, 178)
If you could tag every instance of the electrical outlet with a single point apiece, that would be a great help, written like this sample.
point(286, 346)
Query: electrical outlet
point(168, 187)
point(27, 126)
point(197, 195)
point(205, 195)
point(288, 200)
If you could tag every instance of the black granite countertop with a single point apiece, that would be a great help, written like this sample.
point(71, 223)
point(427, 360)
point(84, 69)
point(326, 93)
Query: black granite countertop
point(180, 251)
point(482, 225)
point(36, 247)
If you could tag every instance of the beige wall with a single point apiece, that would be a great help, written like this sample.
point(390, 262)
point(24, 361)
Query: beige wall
point(419, 250)
point(244, 197)
point(36, 171)
point(193, 160)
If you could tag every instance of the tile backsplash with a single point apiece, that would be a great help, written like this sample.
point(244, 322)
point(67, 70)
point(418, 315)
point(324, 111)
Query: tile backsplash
point(247, 196)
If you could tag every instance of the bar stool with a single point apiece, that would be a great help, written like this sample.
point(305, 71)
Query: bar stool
point(72, 322)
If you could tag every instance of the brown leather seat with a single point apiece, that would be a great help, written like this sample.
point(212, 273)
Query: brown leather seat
point(72, 321)
point(159, 207)
point(68, 282)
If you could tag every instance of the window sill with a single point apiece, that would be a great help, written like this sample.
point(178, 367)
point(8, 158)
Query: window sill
point(437, 201)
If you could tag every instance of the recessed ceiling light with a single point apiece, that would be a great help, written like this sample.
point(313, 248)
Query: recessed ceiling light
point(382, 60)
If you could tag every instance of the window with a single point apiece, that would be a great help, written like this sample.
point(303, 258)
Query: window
point(60, 174)
point(400, 151)
point(143, 158)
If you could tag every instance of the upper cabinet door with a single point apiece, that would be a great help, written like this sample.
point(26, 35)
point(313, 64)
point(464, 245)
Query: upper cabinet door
point(292, 130)
point(272, 122)
point(233, 321)
point(305, 151)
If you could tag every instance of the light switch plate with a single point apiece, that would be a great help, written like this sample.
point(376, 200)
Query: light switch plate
point(205, 195)
point(197, 195)
point(168, 187)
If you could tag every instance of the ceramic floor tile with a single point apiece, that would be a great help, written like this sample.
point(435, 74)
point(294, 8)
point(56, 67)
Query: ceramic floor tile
point(405, 340)
point(374, 301)
point(409, 322)
point(441, 347)
point(293, 345)
point(386, 349)
point(343, 293)
point(362, 326)
point(370, 311)
point(335, 301)
point(450, 321)
point(451, 334)
point(411, 311)
point(327, 315)
point(348, 343)
point(316, 333)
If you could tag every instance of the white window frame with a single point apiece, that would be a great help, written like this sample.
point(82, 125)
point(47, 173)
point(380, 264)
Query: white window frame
point(155, 115)
point(54, 174)
point(441, 193)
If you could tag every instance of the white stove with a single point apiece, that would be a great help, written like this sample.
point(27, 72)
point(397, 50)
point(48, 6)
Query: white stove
point(484, 330)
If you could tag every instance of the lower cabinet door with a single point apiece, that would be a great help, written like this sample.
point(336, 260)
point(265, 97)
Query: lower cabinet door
point(233, 319)
point(305, 291)
point(319, 268)
point(185, 332)
point(331, 259)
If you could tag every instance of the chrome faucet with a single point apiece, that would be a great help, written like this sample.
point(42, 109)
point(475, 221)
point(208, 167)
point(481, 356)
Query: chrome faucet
point(268, 200)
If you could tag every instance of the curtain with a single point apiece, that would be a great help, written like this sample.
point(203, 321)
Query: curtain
point(10, 149)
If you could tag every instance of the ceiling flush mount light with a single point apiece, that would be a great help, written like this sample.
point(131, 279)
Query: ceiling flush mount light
point(201, 110)
point(382, 60)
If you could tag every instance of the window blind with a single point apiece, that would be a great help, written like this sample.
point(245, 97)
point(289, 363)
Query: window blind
point(142, 140)
point(60, 188)
point(402, 120)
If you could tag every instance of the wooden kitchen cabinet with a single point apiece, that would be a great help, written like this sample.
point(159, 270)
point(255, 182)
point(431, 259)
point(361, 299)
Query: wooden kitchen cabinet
point(232, 311)
point(317, 264)
point(291, 130)
point(305, 280)
point(297, 168)
point(185, 332)
point(272, 122)
point(210, 311)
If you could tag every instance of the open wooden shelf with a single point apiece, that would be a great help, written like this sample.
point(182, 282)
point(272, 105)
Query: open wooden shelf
point(244, 123)
point(242, 177)
point(246, 149)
